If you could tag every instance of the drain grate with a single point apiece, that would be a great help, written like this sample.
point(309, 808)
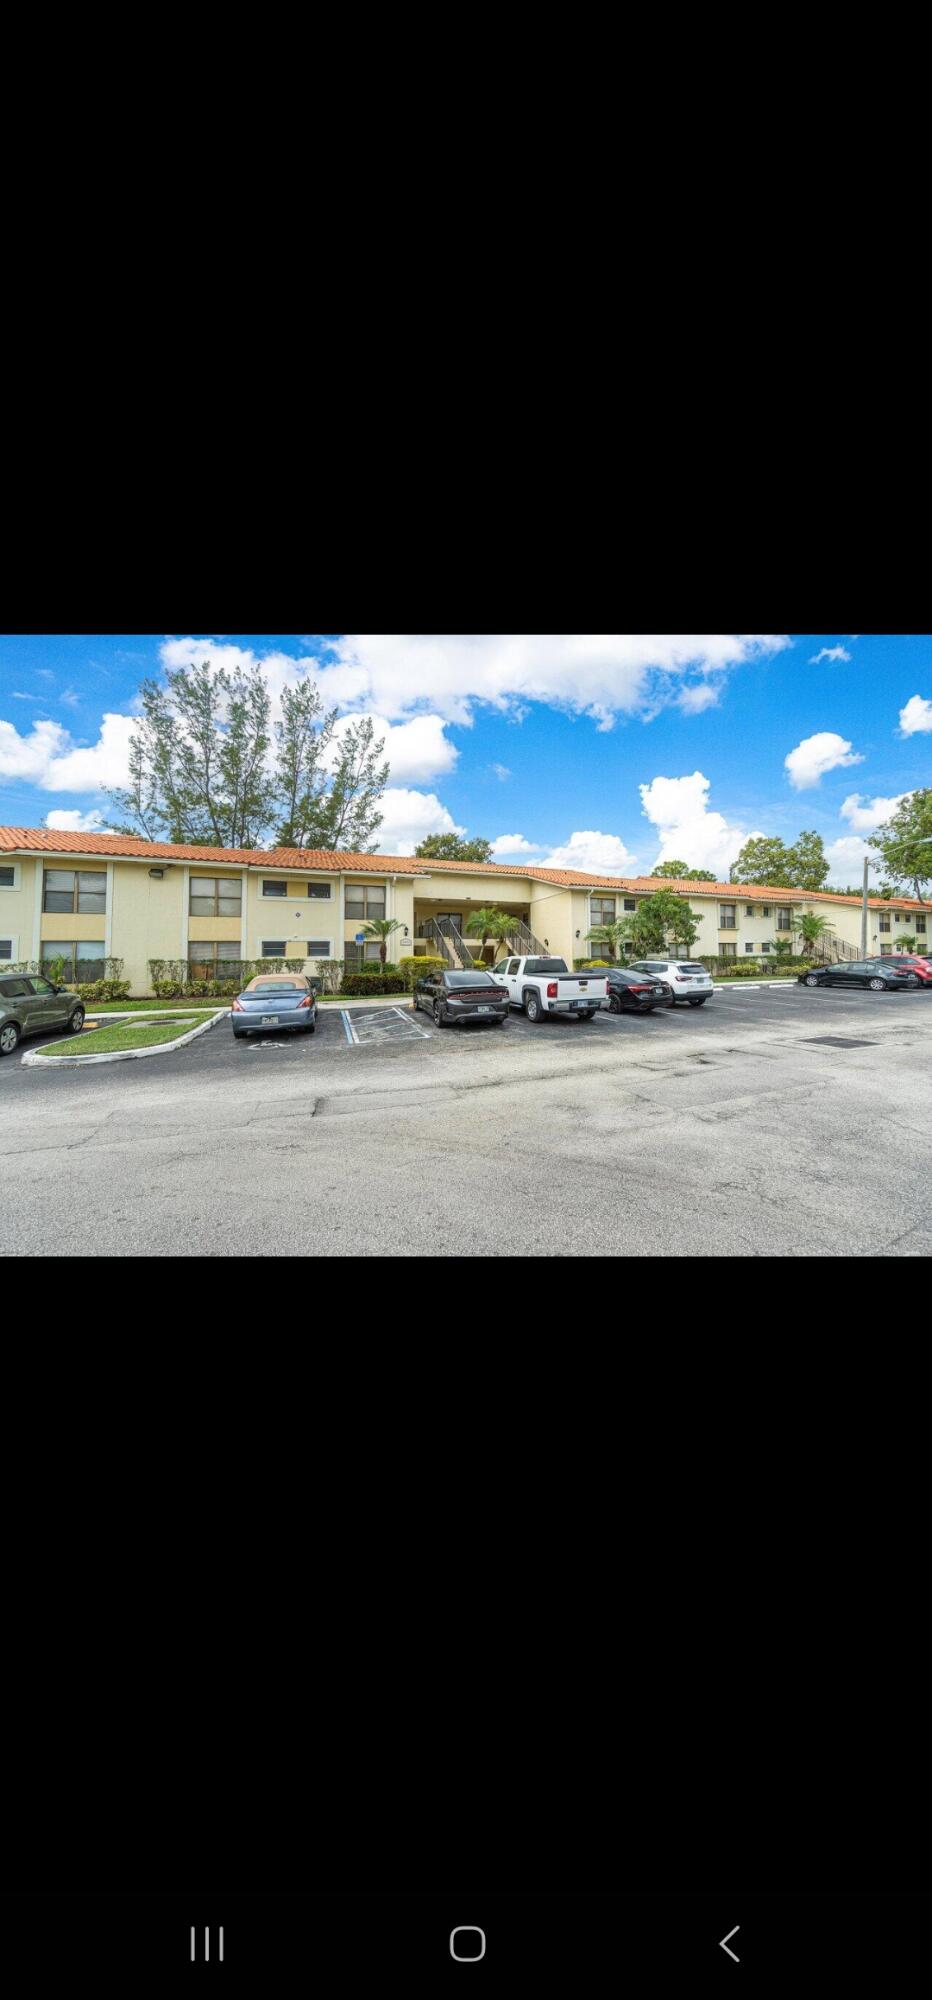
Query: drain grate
point(837, 1042)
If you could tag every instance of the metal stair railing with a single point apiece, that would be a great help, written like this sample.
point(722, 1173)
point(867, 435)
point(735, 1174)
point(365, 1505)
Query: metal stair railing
point(442, 947)
point(523, 942)
point(462, 956)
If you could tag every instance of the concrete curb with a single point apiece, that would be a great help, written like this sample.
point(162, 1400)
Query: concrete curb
point(36, 1060)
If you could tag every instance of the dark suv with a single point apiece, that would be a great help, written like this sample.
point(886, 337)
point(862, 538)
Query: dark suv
point(30, 1004)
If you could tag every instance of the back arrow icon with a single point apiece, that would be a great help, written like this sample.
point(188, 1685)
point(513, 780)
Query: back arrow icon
point(725, 1945)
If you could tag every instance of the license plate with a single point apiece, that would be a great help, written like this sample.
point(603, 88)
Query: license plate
point(483, 1010)
point(270, 1020)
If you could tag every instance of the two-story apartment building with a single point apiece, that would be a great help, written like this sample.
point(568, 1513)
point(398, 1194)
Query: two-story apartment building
point(84, 898)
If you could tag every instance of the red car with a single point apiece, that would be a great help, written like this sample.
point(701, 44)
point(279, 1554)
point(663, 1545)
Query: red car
point(911, 962)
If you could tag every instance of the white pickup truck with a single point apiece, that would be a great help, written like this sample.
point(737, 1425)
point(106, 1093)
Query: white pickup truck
point(547, 986)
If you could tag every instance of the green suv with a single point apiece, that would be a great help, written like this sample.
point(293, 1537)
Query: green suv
point(30, 1004)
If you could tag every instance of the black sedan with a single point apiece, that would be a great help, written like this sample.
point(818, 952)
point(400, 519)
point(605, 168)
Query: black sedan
point(634, 992)
point(461, 996)
point(877, 973)
point(275, 1001)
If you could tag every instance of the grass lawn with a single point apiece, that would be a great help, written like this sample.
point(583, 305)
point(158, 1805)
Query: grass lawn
point(122, 1035)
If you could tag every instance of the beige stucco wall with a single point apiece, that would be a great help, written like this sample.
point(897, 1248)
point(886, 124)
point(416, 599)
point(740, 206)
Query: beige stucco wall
point(18, 909)
point(146, 918)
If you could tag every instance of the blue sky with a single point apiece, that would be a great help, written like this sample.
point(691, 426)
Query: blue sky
point(608, 753)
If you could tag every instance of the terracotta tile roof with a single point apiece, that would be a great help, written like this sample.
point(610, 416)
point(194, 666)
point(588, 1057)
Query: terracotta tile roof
point(46, 840)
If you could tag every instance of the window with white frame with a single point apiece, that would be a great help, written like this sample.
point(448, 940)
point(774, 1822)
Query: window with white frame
point(279, 889)
point(365, 899)
point(8, 951)
point(207, 961)
point(216, 896)
point(765, 947)
point(727, 916)
point(272, 948)
point(9, 877)
point(728, 951)
point(319, 891)
point(920, 923)
point(749, 948)
point(602, 909)
point(784, 920)
point(318, 948)
point(74, 891)
point(884, 924)
point(765, 909)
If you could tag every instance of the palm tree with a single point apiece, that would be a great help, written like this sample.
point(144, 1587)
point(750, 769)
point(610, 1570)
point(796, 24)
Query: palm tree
point(485, 923)
point(382, 927)
point(907, 942)
point(811, 930)
point(611, 935)
point(501, 930)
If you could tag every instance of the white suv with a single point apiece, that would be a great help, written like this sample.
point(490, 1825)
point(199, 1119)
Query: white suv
point(686, 979)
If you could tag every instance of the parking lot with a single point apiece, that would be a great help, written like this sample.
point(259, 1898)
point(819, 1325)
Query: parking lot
point(774, 1118)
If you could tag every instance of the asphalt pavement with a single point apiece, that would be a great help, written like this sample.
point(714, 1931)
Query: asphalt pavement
point(773, 1119)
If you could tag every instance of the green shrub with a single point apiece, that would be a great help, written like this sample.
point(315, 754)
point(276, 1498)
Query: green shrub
point(294, 965)
point(413, 969)
point(330, 972)
point(362, 983)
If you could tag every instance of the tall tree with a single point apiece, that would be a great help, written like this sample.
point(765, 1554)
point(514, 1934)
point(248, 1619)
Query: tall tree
point(812, 931)
point(700, 875)
point(198, 760)
point(763, 862)
point(665, 919)
point(904, 845)
point(451, 847)
point(806, 863)
point(675, 870)
point(328, 785)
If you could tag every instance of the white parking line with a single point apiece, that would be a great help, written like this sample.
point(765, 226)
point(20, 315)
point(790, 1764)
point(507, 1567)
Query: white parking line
point(348, 1029)
point(410, 1022)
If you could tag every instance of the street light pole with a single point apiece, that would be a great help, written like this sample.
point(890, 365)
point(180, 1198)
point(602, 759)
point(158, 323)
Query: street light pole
point(864, 912)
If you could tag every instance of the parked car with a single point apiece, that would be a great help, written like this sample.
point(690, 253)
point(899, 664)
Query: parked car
point(880, 974)
point(30, 1004)
point(631, 991)
point(455, 997)
point(542, 986)
point(911, 962)
point(274, 1001)
point(686, 978)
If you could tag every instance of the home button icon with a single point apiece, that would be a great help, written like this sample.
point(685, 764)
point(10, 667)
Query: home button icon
point(467, 1943)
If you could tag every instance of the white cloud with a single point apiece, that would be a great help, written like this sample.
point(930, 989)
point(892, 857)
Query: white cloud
point(679, 808)
point(826, 751)
point(845, 859)
point(44, 674)
point(69, 821)
point(70, 698)
point(17, 696)
point(595, 853)
point(588, 674)
point(417, 750)
point(916, 717)
point(699, 695)
point(500, 771)
point(30, 756)
point(407, 817)
point(865, 815)
point(513, 843)
point(829, 653)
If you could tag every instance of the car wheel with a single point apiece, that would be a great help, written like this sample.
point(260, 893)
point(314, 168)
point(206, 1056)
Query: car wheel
point(500, 1022)
point(912, 978)
point(811, 980)
point(309, 1030)
point(437, 1012)
point(878, 985)
point(9, 1037)
point(587, 1013)
point(532, 1008)
point(614, 1004)
point(699, 1003)
point(76, 1022)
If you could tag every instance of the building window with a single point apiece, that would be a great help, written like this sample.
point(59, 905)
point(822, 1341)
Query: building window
point(320, 891)
point(728, 951)
point(765, 909)
point(749, 909)
point(749, 947)
point(273, 949)
point(7, 878)
point(727, 916)
point(274, 888)
point(784, 920)
point(629, 904)
point(920, 923)
point(884, 924)
point(765, 947)
point(206, 961)
point(886, 951)
point(365, 901)
point(355, 955)
point(603, 909)
point(72, 891)
point(7, 954)
point(216, 896)
point(318, 948)
point(80, 961)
